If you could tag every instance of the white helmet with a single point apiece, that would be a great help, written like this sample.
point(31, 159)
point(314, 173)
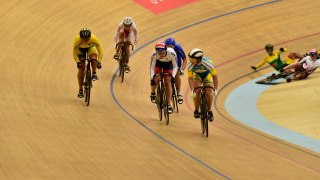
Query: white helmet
point(195, 54)
point(127, 21)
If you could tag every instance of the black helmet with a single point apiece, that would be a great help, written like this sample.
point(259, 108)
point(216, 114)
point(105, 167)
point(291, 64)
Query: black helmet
point(85, 33)
point(269, 47)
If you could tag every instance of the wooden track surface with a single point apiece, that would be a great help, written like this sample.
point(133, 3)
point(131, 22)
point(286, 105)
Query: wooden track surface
point(48, 133)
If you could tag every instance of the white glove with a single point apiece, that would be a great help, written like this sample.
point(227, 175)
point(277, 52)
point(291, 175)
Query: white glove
point(115, 46)
point(133, 47)
point(193, 94)
point(215, 93)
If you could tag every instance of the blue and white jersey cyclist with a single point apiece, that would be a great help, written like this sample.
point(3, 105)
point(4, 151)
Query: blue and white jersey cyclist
point(163, 59)
point(202, 71)
point(181, 56)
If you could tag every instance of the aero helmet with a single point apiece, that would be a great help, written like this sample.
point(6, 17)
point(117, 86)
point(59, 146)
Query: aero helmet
point(269, 47)
point(161, 47)
point(195, 55)
point(127, 21)
point(170, 42)
point(313, 52)
point(85, 33)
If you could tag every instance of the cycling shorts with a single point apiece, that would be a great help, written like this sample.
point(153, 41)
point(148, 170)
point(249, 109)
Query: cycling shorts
point(204, 78)
point(91, 51)
point(127, 34)
point(167, 67)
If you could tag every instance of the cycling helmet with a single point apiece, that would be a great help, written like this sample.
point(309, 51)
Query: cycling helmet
point(127, 21)
point(313, 52)
point(170, 42)
point(85, 33)
point(269, 47)
point(161, 47)
point(195, 55)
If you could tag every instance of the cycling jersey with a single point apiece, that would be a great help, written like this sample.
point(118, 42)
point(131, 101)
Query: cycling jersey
point(127, 32)
point(180, 54)
point(202, 73)
point(170, 57)
point(274, 60)
point(308, 63)
point(92, 44)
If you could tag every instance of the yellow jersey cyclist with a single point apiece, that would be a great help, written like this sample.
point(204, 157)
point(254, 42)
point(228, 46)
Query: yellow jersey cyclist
point(86, 41)
point(273, 58)
point(201, 71)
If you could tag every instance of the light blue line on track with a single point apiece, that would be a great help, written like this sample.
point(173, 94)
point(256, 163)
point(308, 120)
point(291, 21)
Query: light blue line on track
point(241, 104)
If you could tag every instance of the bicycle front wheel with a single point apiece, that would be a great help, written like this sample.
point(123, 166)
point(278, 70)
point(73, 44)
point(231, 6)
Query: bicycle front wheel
point(165, 104)
point(89, 84)
point(205, 115)
point(159, 102)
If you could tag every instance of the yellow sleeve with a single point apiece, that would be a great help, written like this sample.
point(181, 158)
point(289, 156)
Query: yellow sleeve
point(262, 63)
point(189, 71)
point(213, 72)
point(77, 42)
point(96, 42)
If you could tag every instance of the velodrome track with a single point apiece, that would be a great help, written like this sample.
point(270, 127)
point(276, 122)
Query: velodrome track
point(48, 133)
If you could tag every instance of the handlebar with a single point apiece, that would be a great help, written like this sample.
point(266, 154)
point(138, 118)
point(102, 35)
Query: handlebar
point(203, 87)
point(125, 43)
point(162, 74)
point(88, 60)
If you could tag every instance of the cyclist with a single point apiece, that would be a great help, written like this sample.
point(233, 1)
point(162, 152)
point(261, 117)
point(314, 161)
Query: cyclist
point(309, 63)
point(201, 71)
point(125, 30)
point(166, 59)
point(273, 58)
point(170, 42)
point(86, 42)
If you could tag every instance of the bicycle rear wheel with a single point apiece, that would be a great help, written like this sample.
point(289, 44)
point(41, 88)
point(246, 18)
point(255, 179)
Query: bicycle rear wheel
point(159, 103)
point(165, 104)
point(205, 113)
point(174, 97)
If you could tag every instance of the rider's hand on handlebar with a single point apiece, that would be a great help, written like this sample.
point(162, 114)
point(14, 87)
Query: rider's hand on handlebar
point(115, 46)
point(153, 83)
point(215, 93)
point(79, 65)
point(133, 47)
point(99, 66)
point(181, 72)
point(193, 94)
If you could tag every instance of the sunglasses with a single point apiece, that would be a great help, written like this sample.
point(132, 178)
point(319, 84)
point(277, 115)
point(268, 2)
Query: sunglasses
point(193, 60)
point(161, 52)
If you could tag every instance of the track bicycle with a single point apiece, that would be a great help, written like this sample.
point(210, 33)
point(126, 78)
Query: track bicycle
point(174, 97)
point(87, 84)
point(161, 96)
point(274, 76)
point(122, 58)
point(204, 109)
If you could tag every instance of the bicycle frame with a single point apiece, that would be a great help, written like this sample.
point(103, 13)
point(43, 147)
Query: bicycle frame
point(122, 58)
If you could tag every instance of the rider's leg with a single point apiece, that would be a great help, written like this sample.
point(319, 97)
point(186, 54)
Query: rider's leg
point(153, 88)
point(80, 75)
point(294, 55)
point(293, 65)
point(196, 100)
point(178, 81)
point(167, 82)
point(209, 96)
point(121, 38)
point(300, 76)
point(94, 63)
point(128, 51)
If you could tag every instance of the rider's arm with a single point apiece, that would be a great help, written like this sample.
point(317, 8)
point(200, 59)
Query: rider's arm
point(262, 63)
point(96, 42)
point(118, 31)
point(135, 31)
point(174, 63)
point(183, 56)
point(303, 60)
point(190, 76)
point(77, 42)
point(215, 82)
point(152, 64)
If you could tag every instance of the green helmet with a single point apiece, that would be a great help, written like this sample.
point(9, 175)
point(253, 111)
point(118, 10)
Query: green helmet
point(269, 47)
point(85, 33)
